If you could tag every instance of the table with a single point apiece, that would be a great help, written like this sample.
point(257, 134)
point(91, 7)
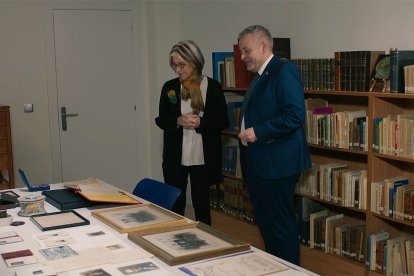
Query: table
point(29, 230)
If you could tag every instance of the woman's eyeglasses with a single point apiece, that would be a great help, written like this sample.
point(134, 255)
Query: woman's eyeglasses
point(180, 66)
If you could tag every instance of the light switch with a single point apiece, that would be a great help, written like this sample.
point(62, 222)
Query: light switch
point(28, 108)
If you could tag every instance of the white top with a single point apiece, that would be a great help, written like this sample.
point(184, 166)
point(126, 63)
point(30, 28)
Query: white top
point(192, 153)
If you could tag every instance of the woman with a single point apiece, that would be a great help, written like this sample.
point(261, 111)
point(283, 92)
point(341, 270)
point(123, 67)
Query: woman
point(192, 113)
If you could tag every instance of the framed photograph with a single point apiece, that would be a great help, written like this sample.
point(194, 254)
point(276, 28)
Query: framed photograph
point(8, 200)
point(134, 218)
point(58, 220)
point(187, 243)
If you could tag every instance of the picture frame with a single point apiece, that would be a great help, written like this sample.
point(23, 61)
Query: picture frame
point(381, 74)
point(59, 220)
point(187, 243)
point(8, 200)
point(134, 218)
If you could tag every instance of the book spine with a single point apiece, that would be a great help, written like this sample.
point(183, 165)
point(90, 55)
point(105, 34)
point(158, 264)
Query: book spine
point(394, 74)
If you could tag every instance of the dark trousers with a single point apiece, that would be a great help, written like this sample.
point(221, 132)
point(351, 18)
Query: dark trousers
point(200, 190)
point(273, 208)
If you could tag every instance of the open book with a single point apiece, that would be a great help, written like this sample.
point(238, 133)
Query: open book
point(95, 189)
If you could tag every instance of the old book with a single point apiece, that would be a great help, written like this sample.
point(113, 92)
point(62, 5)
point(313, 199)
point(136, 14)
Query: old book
point(399, 59)
point(409, 79)
point(242, 77)
point(281, 47)
point(217, 59)
point(313, 224)
point(229, 72)
point(331, 223)
point(94, 189)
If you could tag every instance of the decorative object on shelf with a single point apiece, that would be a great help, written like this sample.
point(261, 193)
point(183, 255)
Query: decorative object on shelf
point(31, 205)
point(381, 74)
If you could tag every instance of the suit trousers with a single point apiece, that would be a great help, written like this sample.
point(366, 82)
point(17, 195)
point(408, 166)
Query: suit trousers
point(273, 208)
point(200, 190)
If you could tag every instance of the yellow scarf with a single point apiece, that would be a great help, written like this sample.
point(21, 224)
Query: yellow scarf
point(191, 90)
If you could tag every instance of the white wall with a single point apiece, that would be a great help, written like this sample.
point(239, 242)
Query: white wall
point(316, 29)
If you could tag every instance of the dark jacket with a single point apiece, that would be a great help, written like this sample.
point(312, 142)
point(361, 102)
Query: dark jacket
point(274, 106)
point(213, 121)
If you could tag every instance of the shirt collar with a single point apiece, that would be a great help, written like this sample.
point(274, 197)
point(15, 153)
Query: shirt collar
point(264, 65)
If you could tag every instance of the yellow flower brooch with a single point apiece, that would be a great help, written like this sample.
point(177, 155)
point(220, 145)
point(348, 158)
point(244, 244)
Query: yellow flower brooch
point(172, 96)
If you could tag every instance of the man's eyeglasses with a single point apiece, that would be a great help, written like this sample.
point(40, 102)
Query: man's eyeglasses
point(180, 66)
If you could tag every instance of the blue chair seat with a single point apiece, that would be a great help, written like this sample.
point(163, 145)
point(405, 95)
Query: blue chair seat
point(157, 192)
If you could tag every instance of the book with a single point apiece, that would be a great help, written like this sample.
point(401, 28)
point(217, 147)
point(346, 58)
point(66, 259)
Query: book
point(66, 199)
point(409, 79)
point(94, 189)
point(399, 59)
point(229, 72)
point(281, 47)
point(242, 77)
point(217, 59)
point(354, 69)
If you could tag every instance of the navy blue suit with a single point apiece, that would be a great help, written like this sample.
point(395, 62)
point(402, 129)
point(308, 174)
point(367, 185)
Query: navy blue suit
point(274, 106)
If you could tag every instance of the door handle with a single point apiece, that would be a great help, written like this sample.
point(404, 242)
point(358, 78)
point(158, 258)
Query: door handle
point(64, 116)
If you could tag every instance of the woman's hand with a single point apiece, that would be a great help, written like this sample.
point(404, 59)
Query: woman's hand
point(189, 121)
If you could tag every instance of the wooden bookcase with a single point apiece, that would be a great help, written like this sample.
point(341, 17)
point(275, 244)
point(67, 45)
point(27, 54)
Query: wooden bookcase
point(6, 156)
point(378, 166)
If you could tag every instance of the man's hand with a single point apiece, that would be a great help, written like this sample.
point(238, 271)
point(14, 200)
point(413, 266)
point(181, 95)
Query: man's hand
point(248, 135)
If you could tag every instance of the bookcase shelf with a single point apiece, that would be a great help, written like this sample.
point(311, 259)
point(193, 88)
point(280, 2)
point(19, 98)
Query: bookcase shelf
point(379, 166)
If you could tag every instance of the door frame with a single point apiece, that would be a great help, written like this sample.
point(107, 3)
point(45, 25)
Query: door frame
point(141, 85)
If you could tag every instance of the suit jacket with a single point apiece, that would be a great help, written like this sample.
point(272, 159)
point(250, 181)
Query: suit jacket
point(213, 121)
point(274, 106)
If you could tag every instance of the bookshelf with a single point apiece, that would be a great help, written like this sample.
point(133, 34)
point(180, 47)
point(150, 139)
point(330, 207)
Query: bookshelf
point(373, 165)
point(378, 166)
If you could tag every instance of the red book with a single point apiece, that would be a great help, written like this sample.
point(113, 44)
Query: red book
point(242, 76)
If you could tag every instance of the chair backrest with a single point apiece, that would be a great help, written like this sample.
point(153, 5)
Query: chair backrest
point(157, 192)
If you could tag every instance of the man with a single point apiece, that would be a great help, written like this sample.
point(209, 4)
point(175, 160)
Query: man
point(273, 144)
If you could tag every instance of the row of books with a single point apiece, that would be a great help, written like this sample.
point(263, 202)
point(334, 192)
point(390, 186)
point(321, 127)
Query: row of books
point(391, 256)
point(394, 135)
point(336, 183)
point(393, 197)
point(231, 197)
point(316, 74)
point(346, 71)
point(234, 105)
point(331, 233)
point(398, 60)
point(231, 160)
point(343, 129)
point(354, 69)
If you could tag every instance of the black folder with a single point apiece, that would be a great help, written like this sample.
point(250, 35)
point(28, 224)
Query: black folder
point(65, 199)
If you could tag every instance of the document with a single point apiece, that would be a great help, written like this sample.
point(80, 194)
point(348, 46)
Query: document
point(247, 263)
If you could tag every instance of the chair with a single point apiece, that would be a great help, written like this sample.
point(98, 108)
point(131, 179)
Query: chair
point(157, 192)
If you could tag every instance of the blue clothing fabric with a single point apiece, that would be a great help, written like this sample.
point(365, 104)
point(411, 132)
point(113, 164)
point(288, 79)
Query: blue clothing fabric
point(274, 106)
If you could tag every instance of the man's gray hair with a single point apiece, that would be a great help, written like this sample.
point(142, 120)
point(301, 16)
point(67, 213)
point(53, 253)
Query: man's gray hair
point(258, 30)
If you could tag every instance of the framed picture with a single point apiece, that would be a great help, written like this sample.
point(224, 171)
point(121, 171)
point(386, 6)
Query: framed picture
point(138, 217)
point(8, 200)
point(186, 243)
point(58, 220)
